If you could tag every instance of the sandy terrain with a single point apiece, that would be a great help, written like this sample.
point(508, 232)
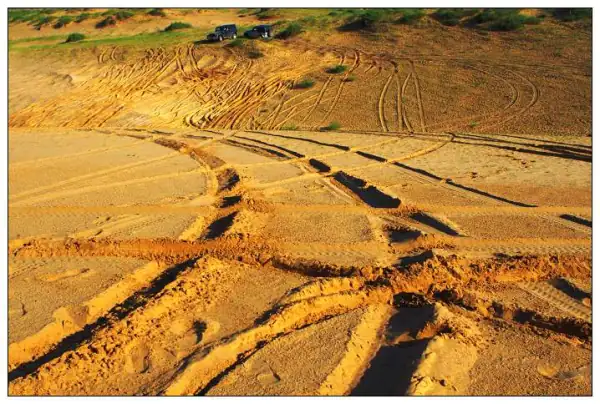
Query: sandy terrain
point(170, 234)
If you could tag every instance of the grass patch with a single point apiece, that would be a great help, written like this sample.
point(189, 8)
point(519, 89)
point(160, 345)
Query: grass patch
point(337, 69)
point(335, 125)
point(290, 127)
point(350, 78)
point(177, 25)
point(157, 12)
point(75, 37)
point(63, 21)
point(293, 29)
point(305, 83)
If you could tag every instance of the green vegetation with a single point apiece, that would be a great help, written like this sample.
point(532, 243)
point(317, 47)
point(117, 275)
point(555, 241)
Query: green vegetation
point(335, 125)
point(502, 19)
point(82, 17)
point(63, 21)
point(410, 15)
point(122, 15)
point(452, 16)
point(266, 14)
point(177, 25)
point(75, 37)
point(572, 14)
point(106, 22)
point(293, 29)
point(157, 12)
point(290, 127)
point(305, 83)
point(350, 78)
point(337, 69)
point(45, 20)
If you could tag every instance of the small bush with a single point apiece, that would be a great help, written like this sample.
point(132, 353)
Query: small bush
point(44, 20)
point(106, 22)
point(306, 83)
point(293, 29)
point(452, 16)
point(75, 37)
point(82, 17)
point(410, 16)
point(336, 69)
point(157, 12)
point(122, 15)
point(267, 14)
point(572, 14)
point(350, 78)
point(177, 25)
point(335, 125)
point(508, 22)
point(290, 127)
point(62, 21)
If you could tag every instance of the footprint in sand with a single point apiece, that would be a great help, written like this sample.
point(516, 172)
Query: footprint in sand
point(16, 308)
point(138, 360)
point(192, 332)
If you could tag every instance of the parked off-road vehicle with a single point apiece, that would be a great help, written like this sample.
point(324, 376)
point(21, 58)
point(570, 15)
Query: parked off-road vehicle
point(260, 31)
point(222, 32)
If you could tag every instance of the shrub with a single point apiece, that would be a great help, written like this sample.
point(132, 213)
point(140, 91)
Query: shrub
point(177, 25)
point(82, 17)
point(157, 12)
point(508, 22)
point(43, 20)
point(62, 21)
point(266, 14)
point(410, 16)
point(335, 125)
point(293, 29)
point(123, 15)
point(571, 14)
point(305, 83)
point(107, 21)
point(290, 127)
point(452, 16)
point(350, 78)
point(75, 37)
point(336, 69)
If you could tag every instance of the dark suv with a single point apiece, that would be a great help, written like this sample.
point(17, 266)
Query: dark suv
point(263, 31)
point(223, 32)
